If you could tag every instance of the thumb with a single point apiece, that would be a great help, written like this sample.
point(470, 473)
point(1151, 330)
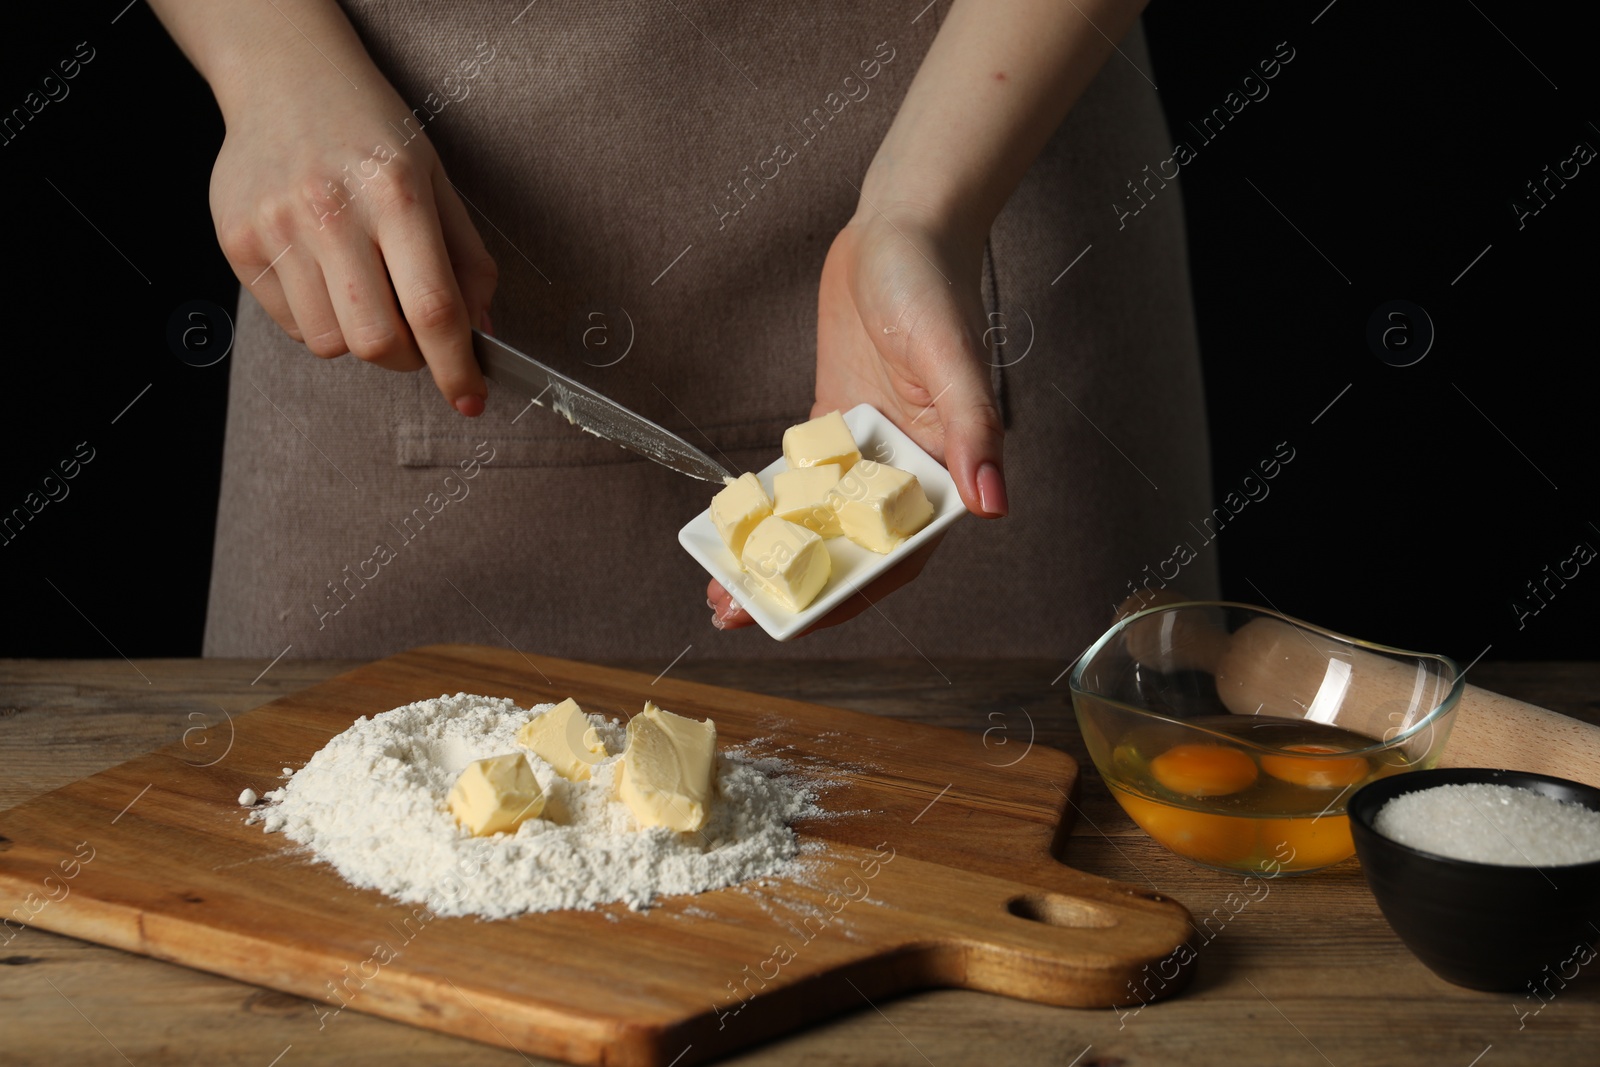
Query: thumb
point(974, 438)
point(945, 357)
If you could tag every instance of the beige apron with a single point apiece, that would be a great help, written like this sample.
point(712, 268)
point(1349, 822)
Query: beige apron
point(659, 185)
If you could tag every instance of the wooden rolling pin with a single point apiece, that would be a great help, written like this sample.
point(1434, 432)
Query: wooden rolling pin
point(1267, 664)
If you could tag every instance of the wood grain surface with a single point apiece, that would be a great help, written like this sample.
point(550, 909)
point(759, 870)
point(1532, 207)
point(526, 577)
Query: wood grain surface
point(1308, 974)
point(941, 852)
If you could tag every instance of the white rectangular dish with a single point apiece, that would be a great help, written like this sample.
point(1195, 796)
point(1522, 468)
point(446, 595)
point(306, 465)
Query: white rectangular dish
point(853, 566)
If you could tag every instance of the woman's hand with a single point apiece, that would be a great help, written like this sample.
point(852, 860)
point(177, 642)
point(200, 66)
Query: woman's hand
point(900, 320)
point(349, 235)
point(900, 326)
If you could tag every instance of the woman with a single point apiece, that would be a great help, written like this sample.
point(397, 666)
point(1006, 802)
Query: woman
point(647, 197)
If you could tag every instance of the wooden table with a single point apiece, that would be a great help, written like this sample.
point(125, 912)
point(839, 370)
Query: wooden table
point(1307, 973)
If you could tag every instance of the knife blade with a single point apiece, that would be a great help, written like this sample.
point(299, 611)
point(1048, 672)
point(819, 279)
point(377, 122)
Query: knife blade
point(591, 411)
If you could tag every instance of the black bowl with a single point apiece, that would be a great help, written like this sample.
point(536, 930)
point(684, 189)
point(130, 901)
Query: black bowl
point(1481, 925)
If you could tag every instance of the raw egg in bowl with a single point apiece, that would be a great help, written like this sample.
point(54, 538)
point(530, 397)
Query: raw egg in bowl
point(1235, 735)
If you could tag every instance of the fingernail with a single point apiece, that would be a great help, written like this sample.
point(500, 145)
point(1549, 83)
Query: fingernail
point(487, 325)
point(991, 489)
point(726, 615)
point(470, 406)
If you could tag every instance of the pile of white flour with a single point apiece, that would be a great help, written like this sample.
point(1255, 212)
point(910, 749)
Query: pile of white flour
point(371, 802)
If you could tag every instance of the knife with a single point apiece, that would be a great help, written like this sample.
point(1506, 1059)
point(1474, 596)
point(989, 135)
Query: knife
point(590, 411)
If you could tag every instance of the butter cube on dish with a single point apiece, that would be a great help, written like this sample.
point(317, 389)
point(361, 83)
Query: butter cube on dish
point(879, 506)
point(737, 508)
point(669, 769)
point(496, 795)
point(788, 560)
point(563, 738)
point(801, 496)
point(825, 439)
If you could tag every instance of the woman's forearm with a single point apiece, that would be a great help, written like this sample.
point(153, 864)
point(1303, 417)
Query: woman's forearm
point(997, 81)
point(243, 48)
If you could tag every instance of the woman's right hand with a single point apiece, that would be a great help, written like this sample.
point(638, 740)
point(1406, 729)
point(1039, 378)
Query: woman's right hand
point(349, 235)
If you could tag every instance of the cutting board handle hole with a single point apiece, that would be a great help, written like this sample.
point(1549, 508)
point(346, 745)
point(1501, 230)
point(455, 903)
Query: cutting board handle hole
point(1055, 909)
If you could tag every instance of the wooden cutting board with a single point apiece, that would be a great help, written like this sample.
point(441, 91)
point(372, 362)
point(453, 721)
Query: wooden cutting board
point(943, 875)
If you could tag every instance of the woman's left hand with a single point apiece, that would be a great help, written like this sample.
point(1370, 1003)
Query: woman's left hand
point(900, 326)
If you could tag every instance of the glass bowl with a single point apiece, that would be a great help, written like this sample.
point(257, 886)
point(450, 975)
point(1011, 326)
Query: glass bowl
point(1235, 735)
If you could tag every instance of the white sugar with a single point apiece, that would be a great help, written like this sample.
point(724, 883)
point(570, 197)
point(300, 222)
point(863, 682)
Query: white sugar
point(1498, 824)
point(372, 804)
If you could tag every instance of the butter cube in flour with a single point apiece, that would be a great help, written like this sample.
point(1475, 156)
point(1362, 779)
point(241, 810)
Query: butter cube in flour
point(669, 769)
point(789, 561)
point(879, 506)
point(736, 509)
point(495, 795)
point(825, 439)
point(801, 496)
point(563, 738)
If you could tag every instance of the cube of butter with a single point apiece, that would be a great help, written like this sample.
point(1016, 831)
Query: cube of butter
point(563, 738)
point(789, 561)
point(879, 506)
point(495, 795)
point(736, 509)
point(801, 496)
point(669, 769)
point(825, 439)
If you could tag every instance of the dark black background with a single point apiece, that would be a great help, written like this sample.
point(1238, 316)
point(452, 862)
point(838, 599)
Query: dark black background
point(1395, 142)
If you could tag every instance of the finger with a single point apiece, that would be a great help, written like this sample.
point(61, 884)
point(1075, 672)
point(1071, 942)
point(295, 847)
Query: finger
point(476, 271)
point(307, 294)
point(259, 276)
point(269, 294)
point(726, 612)
point(413, 247)
point(970, 427)
point(974, 444)
point(368, 316)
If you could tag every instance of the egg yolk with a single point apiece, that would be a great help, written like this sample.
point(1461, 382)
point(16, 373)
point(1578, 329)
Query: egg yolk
point(1319, 773)
point(1315, 842)
point(1217, 839)
point(1203, 770)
